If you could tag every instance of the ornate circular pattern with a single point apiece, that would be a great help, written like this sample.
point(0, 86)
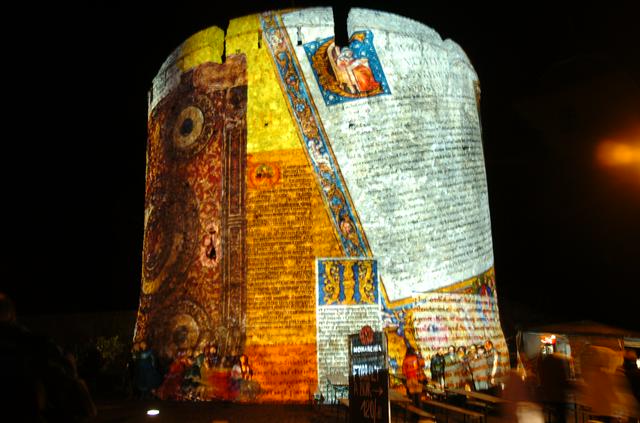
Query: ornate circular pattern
point(170, 238)
point(157, 243)
point(180, 326)
point(263, 175)
point(184, 331)
point(190, 126)
point(187, 128)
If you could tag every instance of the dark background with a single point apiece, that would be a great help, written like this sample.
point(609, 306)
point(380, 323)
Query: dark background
point(556, 81)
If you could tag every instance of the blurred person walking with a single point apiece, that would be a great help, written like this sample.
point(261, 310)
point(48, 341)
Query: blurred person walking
point(553, 371)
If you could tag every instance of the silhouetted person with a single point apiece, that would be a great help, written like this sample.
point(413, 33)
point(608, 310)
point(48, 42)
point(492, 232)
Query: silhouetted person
point(22, 392)
point(91, 366)
point(606, 390)
point(632, 373)
point(146, 375)
point(437, 368)
point(39, 382)
point(553, 372)
point(521, 404)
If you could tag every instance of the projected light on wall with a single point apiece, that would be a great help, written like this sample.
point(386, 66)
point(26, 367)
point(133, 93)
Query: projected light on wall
point(298, 190)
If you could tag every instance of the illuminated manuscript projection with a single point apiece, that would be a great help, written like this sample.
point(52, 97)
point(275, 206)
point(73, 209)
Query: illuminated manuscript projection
point(298, 190)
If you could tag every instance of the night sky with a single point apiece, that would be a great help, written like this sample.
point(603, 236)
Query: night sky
point(557, 81)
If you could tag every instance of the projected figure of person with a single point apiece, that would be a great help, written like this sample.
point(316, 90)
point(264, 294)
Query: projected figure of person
point(245, 368)
point(210, 246)
point(235, 378)
point(354, 75)
point(347, 228)
point(208, 251)
point(171, 386)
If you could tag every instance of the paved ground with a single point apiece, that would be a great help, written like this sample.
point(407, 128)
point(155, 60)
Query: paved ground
point(134, 411)
point(130, 411)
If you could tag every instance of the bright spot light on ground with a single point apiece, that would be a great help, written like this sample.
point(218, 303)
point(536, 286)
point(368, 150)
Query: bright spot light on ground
point(153, 412)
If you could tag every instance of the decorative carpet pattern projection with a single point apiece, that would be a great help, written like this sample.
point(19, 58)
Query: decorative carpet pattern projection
point(194, 265)
point(300, 191)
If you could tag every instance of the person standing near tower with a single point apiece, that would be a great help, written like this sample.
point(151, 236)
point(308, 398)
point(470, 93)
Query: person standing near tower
point(411, 370)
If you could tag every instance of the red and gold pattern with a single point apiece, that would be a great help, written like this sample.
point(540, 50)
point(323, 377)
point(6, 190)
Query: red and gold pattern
point(193, 278)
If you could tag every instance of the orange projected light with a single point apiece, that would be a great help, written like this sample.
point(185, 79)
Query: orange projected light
point(614, 153)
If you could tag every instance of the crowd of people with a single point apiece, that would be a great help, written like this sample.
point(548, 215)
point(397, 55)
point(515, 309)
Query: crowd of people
point(41, 381)
point(472, 368)
point(605, 388)
point(192, 376)
point(608, 385)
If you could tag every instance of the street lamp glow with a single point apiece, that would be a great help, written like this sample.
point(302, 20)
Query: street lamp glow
point(618, 153)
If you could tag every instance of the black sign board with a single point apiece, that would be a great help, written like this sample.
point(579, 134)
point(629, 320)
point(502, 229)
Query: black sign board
point(368, 378)
point(367, 355)
point(369, 397)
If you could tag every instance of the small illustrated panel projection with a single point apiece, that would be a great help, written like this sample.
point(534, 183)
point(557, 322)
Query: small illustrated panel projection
point(347, 73)
point(348, 299)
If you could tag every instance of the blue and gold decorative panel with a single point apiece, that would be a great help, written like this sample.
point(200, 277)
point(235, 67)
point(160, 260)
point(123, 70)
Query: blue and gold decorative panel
point(347, 282)
point(347, 73)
